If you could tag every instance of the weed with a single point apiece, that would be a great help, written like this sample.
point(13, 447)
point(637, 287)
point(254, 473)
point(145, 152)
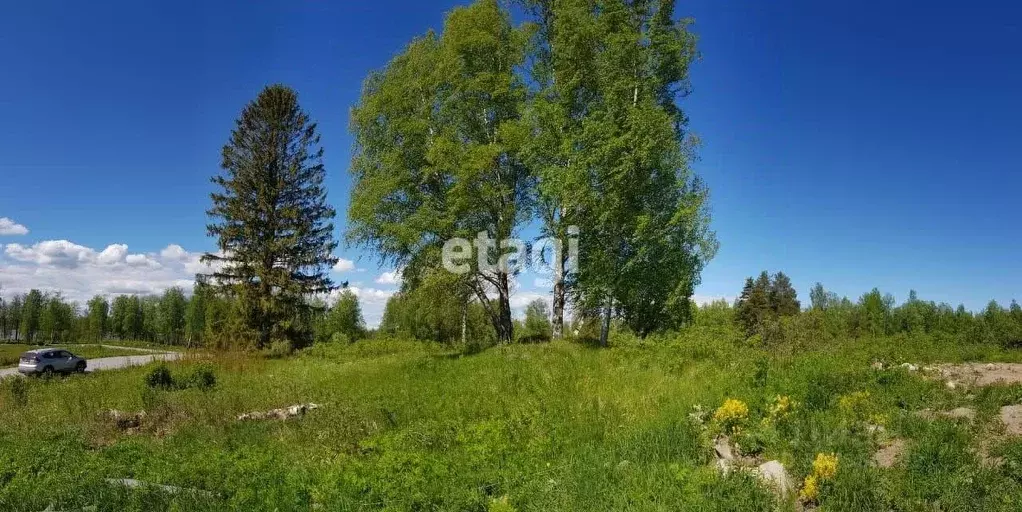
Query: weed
point(19, 391)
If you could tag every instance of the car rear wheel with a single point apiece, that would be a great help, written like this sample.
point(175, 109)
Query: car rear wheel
point(48, 371)
point(80, 367)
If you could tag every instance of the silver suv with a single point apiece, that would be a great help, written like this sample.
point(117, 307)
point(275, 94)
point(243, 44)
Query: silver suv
point(47, 361)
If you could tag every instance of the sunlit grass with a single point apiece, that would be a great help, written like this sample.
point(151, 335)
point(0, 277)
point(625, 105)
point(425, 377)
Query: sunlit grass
point(412, 426)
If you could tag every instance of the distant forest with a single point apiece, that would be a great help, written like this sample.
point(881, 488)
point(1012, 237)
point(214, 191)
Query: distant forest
point(767, 312)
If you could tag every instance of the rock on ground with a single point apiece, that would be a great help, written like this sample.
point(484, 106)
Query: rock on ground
point(279, 414)
point(773, 474)
point(722, 447)
point(1011, 416)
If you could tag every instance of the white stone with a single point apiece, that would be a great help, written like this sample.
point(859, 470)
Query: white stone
point(773, 473)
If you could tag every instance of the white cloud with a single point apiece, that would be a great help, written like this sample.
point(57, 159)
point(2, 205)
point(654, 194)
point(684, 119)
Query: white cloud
point(53, 253)
point(520, 300)
point(344, 265)
point(142, 260)
point(391, 277)
point(174, 252)
point(372, 301)
point(80, 272)
point(113, 253)
point(9, 227)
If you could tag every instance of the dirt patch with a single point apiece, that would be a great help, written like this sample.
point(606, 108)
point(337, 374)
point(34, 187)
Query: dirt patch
point(980, 374)
point(890, 453)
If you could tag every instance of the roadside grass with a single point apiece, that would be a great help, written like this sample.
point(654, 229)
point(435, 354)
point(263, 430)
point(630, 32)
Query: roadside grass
point(414, 426)
point(10, 352)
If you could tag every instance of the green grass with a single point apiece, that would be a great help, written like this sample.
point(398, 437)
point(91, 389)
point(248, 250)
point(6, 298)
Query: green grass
point(10, 352)
point(411, 426)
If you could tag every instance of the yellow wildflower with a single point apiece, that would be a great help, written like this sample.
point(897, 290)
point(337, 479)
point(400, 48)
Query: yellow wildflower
point(825, 466)
point(731, 414)
point(781, 407)
point(854, 404)
point(810, 490)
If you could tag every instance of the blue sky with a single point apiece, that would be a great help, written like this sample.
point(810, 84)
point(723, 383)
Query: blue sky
point(857, 144)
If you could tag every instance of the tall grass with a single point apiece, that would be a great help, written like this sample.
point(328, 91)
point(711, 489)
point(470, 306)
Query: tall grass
point(414, 426)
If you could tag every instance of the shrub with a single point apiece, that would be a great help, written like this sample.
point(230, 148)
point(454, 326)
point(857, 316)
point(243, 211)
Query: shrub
point(159, 377)
point(202, 377)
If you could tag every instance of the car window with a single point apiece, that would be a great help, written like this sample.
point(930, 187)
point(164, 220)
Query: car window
point(49, 355)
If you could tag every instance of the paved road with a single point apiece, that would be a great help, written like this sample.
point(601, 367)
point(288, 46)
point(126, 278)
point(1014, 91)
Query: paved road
point(113, 363)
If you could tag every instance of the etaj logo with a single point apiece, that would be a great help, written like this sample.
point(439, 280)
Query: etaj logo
point(511, 255)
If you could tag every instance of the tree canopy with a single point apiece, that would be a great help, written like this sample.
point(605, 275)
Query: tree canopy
point(270, 217)
point(438, 133)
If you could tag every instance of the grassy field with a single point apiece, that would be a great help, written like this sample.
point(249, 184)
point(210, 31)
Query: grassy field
point(10, 352)
point(410, 426)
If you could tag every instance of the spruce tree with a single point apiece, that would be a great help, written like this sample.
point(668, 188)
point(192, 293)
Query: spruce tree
point(783, 298)
point(744, 315)
point(270, 216)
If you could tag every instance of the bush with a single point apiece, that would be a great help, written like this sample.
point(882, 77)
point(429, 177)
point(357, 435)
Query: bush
point(202, 377)
point(159, 377)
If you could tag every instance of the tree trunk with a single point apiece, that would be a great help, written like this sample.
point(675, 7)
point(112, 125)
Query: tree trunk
point(558, 302)
point(464, 322)
point(605, 328)
point(505, 328)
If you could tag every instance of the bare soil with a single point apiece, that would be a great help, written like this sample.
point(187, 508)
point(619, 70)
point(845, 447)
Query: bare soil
point(981, 374)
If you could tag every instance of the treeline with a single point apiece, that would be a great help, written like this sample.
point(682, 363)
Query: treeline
point(206, 318)
point(768, 312)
